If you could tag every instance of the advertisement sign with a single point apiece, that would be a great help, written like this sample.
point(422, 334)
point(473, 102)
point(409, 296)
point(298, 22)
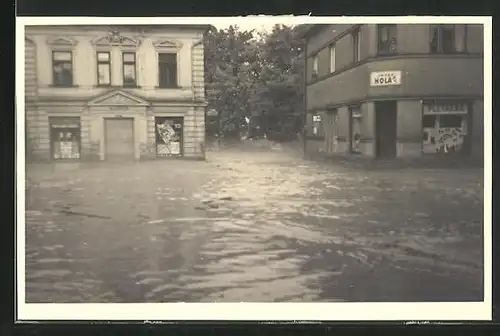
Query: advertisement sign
point(385, 78)
point(168, 136)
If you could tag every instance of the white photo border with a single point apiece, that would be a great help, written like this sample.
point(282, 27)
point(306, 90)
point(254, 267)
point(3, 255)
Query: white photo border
point(449, 311)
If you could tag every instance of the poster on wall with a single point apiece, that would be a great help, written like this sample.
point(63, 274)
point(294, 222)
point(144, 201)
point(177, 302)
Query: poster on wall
point(168, 136)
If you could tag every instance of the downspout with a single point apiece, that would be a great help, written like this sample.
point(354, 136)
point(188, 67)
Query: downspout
point(304, 124)
point(195, 88)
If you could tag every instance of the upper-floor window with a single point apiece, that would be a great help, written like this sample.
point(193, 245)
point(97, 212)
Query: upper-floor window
point(129, 69)
point(356, 45)
point(447, 38)
point(62, 68)
point(387, 39)
point(167, 66)
point(332, 58)
point(314, 72)
point(103, 68)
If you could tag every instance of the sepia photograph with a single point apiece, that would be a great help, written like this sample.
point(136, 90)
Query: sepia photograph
point(270, 160)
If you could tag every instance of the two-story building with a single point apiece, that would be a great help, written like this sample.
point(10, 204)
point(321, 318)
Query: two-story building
point(106, 92)
point(394, 90)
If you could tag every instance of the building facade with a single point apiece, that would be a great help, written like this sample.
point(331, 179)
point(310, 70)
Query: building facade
point(114, 92)
point(394, 90)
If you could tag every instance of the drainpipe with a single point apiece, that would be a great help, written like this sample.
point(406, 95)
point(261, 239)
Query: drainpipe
point(304, 83)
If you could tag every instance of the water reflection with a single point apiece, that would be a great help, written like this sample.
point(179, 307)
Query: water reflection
point(237, 230)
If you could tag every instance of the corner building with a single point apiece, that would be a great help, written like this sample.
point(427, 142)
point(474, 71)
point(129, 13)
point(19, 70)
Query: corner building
point(114, 92)
point(394, 90)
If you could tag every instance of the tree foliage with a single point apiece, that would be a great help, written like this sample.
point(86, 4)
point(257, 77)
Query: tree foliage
point(255, 75)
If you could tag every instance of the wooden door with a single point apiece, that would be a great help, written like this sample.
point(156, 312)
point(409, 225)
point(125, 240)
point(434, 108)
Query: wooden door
point(119, 138)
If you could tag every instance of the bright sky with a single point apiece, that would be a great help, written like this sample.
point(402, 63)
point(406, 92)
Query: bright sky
point(259, 23)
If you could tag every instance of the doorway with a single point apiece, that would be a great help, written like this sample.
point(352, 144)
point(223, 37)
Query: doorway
point(386, 113)
point(119, 138)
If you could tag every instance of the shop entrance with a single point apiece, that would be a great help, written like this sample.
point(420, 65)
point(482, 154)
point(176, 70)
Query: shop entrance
point(386, 113)
point(169, 136)
point(119, 138)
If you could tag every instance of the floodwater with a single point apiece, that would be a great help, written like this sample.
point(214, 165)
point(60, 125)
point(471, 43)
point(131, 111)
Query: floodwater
point(251, 226)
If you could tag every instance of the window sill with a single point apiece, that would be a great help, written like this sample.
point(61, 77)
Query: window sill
point(117, 86)
point(447, 52)
point(386, 53)
point(131, 86)
point(314, 137)
point(168, 87)
point(63, 86)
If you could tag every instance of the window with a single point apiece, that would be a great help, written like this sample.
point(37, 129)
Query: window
point(332, 58)
point(65, 138)
point(129, 69)
point(315, 67)
point(62, 68)
point(103, 68)
point(447, 38)
point(355, 129)
point(356, 45)
point(169, 136)
point(429, 121)
point(387, 39)
point(450, 120)
point(317, 125)
point(167, 65)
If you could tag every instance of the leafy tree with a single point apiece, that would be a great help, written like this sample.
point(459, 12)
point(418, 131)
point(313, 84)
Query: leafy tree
point(255, 75)
point(227, 55)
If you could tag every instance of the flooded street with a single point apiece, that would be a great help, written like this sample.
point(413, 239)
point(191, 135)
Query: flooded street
point(249, 226)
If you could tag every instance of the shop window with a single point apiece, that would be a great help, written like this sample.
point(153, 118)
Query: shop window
point(387, 39)
point(445, 127)
point(129, 69)
point(447, 39)
point(332, 58)
point(317, 125)
point(356, 122)
point(65, 138)
point(62, 68)
point(450, 121)
point(103, 68)
point(356, 45)
point(169, 133)
point(429, 121)
point(167, 66)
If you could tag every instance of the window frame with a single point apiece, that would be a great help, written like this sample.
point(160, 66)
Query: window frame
point(355, 113)
point(70, 62)
point(99, 62)
point(356, 45)
point(315, 67)
point(333, 58)
point(390, 28)
point(175, 85)
point(439, 44)
point(134, 63)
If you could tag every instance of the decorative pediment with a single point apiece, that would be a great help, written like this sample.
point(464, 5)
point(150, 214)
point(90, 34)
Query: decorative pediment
point(118, 98)
point(114, 38)
point(61, 41)
point(167, 44)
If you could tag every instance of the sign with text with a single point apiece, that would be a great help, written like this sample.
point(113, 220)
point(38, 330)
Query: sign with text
point(385, 78)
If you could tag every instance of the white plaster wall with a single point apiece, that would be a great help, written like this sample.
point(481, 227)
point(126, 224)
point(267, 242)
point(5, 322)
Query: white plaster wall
point(85, 63)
